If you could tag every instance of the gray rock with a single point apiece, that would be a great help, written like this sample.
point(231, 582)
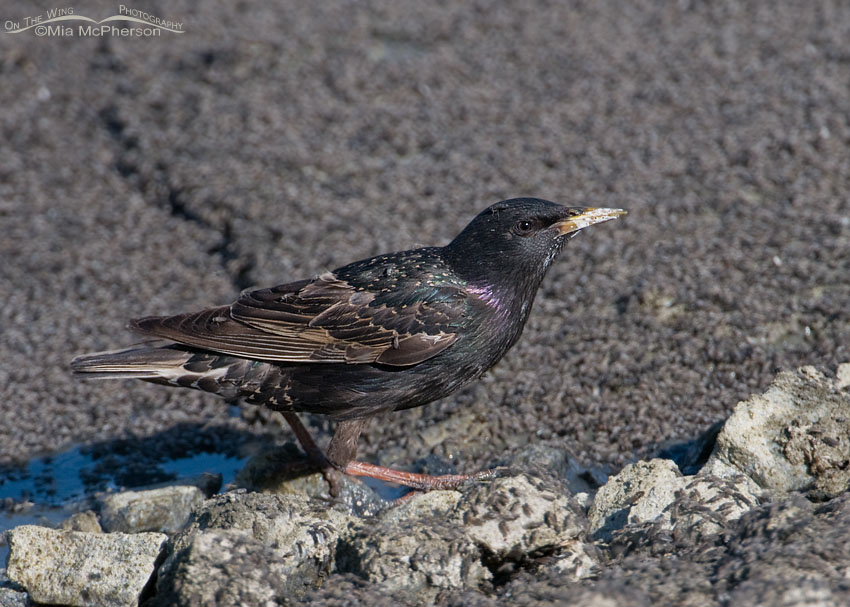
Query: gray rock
point(166, 509)
point(842, 376)
point(224, 567)
point(788, 590)
point(422, 505)
point(82, 521)
point(639, 493)
point(707, 505)
point(576, 560)
point(516, 516)
point(436, 543)
point(415, 559)
point(14, 598)
point(791, 552)
point(795, 436)
point(284, 522)
point(254, 546)
point(655, 492)
point(75, 568)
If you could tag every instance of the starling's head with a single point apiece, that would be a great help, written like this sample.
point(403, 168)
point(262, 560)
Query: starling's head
point(515, 241)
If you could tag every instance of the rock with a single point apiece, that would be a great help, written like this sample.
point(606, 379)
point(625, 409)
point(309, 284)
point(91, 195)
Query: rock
point(166, 509)
point(251, 547)
point(224, 567)
point(75, 568)
point(842, 375)
point(281, 470)
point(445, 541)
point(517, 516)
point(82, 521)
point(421, 505)
point(416, 561)
point(781, 553)
point(348, 590)
point(707, 505)
point(14, 598)
point(548, 590)
point(639, 493)
point(285, 522)
point(794, 437)
point(163, 507)
point(655, 492)
point(576, 560)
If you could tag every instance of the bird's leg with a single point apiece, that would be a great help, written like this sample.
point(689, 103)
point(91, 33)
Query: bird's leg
point(343, 447)
point(343, 450)
point(314, 454)
point(423, 482)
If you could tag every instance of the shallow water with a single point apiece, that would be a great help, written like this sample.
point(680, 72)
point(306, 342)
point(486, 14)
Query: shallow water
point(78, 473)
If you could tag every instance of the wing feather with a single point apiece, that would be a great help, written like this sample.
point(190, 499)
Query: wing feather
point(324, 320)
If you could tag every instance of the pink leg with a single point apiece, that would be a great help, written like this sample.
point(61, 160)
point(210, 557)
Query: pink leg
point(423, 482)
point(315, 454)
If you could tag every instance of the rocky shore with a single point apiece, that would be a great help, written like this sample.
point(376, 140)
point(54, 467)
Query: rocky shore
point(761, 517)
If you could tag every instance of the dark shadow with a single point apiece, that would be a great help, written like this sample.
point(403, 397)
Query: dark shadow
point(691, 455)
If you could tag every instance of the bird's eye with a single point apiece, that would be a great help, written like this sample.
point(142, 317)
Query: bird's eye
point(524, 227)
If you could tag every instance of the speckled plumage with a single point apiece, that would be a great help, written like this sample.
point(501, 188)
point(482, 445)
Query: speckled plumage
point(386, 333)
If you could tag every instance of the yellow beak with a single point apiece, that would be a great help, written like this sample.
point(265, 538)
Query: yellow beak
point(587, 217)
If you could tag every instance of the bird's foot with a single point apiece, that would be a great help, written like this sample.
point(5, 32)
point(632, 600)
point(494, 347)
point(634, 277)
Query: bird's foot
point(422, 482)
point(315, 455)
point(333, 473)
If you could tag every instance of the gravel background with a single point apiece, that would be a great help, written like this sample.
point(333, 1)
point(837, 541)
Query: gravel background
point(266, 144)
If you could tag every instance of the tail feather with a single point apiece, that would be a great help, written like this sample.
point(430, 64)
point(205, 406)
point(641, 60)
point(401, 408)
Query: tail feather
point(176, 365)
point(142, 361)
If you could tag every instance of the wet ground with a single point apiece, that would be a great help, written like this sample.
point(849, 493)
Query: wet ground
point(145, 176)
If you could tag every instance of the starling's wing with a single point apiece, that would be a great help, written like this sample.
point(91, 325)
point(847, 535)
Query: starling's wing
point(322, 320)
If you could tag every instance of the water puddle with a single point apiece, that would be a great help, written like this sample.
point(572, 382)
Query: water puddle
point(47, 490)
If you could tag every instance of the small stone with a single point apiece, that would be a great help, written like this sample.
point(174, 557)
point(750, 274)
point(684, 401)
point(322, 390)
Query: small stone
point(423, 504)
point(436, 542)
point(224, 567)
point(639, 493)
point(792, 553)
point(82, 521)
point(576, 560)
point(166, 509)
point(14, 598)
point(76, 568)
point(707, 505)
point(655, 492)
point(842, 375)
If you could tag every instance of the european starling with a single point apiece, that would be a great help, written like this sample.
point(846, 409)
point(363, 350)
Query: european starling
point(382, 334)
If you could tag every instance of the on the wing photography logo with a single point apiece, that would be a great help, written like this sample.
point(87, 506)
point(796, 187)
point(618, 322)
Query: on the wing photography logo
point(60, 23)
